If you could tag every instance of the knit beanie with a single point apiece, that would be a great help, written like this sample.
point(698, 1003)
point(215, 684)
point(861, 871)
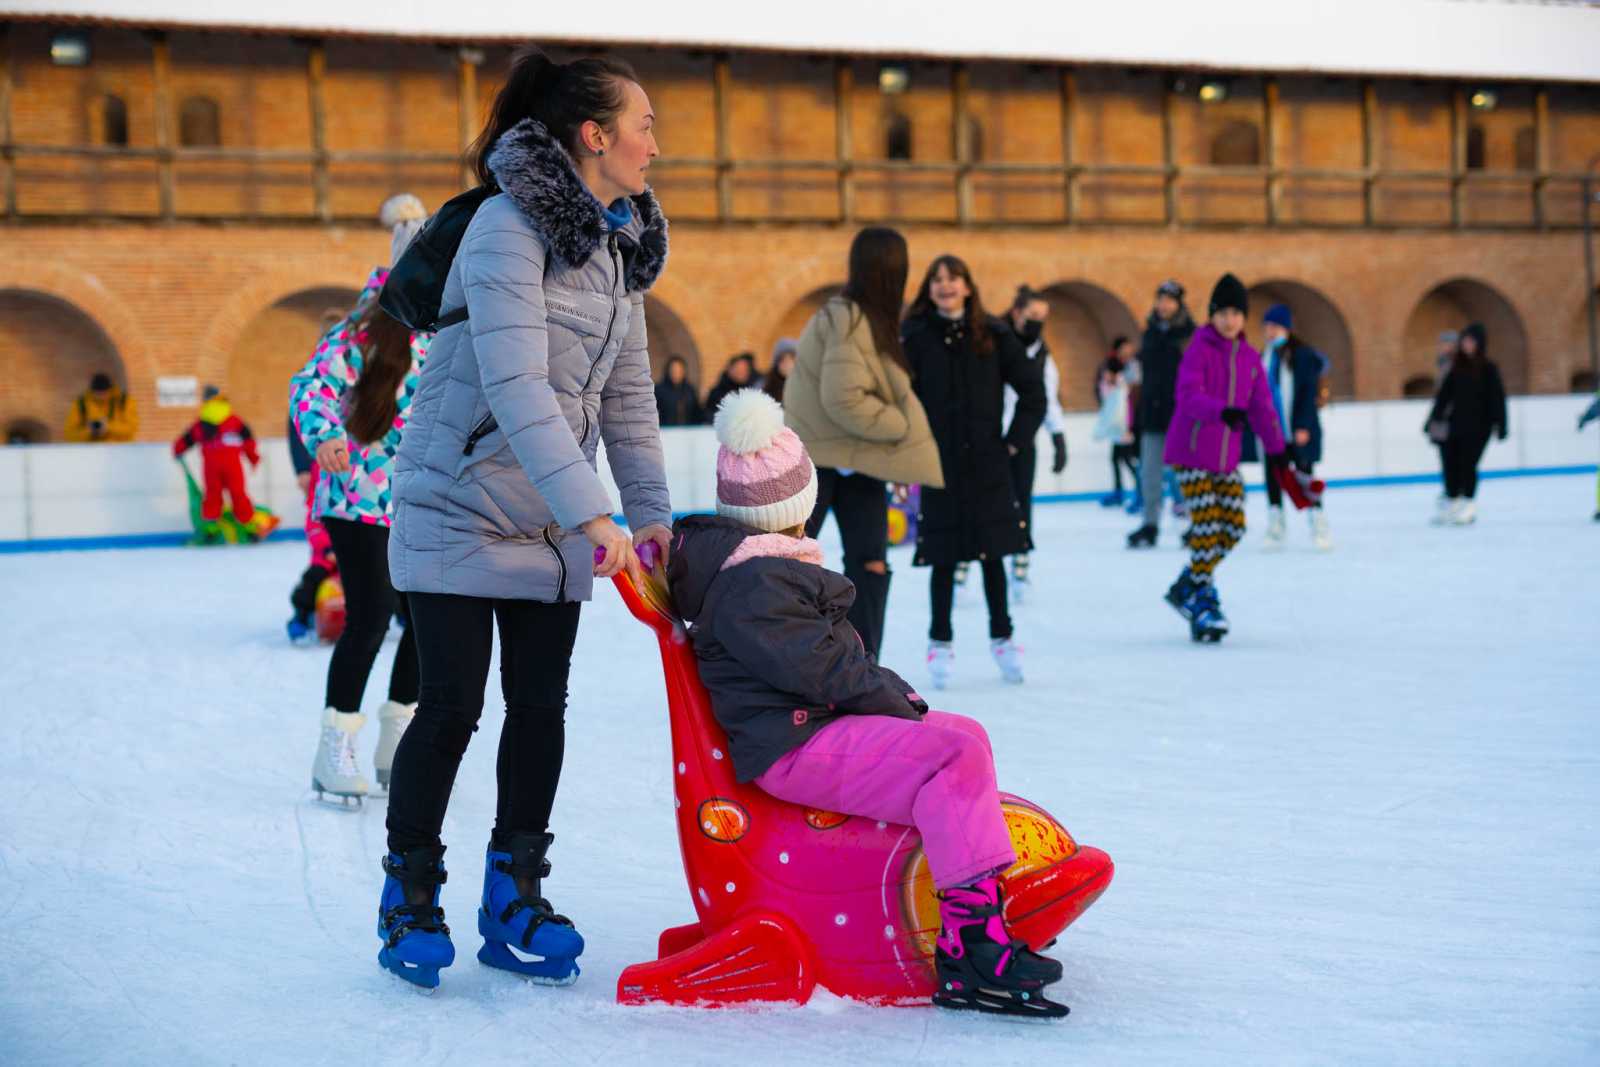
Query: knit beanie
point(403, 215)
point(765, 477)
point(1229, 293)
point(1280, 315)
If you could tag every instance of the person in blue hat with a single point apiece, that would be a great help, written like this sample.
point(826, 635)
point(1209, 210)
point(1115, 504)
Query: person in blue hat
point(1298, 414)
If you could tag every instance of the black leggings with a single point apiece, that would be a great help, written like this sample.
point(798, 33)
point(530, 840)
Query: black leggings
point(943, 591)
point(1274, 490)
point(455, 636)
point(860, 505)
point(362, 549)
point(1125, 456)
point(1461, 457)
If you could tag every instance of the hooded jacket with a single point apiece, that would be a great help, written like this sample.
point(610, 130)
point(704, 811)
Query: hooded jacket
point(1472, 397)
point(1217, 373)
point(496, 473)
point(775, 650)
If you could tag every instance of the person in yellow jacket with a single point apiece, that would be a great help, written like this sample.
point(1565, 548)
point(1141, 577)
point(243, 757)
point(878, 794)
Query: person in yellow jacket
point(102, 413)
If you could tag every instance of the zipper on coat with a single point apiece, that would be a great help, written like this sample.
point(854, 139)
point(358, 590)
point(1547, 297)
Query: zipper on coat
point(616, 277)
point(561, 567)
point(484, 428)
point(1233, 384)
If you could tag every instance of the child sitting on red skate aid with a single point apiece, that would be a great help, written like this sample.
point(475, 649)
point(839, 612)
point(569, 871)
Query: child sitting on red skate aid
point(814, 721)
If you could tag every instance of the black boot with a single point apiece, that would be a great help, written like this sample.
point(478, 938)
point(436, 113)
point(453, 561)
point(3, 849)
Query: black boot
point(1143, 537)
point(870, 608)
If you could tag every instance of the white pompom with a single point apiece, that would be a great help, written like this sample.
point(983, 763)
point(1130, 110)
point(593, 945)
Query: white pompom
point(402, 207)
point(747, 421)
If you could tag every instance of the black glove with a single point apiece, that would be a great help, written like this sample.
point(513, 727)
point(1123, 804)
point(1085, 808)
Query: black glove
point(1278, 460)
point(1059, 443)
point(1235, 417)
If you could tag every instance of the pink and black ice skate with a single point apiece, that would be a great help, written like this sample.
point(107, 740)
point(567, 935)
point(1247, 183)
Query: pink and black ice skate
point(981, 967)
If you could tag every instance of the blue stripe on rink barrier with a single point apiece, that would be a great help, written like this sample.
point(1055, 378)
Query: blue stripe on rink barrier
point(175, 540)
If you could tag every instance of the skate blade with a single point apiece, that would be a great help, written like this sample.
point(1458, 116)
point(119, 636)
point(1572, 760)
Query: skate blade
point(336, 801)
point(556, 971)
point(1018, 1004)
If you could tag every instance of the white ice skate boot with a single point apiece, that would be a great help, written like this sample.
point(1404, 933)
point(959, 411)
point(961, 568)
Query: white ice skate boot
point(393, 718)
point(1276, 530)
point(335, 771)
point(1319, 531)
point(941, 661)
point(1465, 513)
point(1008, 657)
point(1443, 508)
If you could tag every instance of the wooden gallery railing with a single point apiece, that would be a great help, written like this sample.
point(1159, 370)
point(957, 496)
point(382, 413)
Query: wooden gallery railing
point(847, 170)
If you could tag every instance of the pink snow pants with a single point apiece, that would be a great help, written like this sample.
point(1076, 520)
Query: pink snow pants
point(936, 775)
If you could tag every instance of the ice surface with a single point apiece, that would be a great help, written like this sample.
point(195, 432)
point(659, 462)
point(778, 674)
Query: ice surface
point(1364, 829)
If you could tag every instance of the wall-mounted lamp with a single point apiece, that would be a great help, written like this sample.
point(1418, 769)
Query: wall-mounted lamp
point(893, 80)
point(69, 49)
point(1484, 100)
point(1213, 92)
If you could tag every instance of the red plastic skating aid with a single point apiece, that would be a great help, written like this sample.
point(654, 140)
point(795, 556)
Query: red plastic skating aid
point(790, 898)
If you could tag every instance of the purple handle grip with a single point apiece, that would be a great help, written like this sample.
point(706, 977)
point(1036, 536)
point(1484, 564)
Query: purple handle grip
point(649, 555)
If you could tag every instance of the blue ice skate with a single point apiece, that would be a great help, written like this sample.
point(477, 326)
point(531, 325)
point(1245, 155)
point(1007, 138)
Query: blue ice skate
point(416, 942)
point(521, 931)
point(301, 631)
point(1181, 594)
point(1207, 624)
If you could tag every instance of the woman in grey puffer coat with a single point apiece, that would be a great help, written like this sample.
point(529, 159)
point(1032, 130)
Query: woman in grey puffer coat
point(498, 508)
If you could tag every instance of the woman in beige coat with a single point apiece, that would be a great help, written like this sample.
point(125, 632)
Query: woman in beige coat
point(849, 398)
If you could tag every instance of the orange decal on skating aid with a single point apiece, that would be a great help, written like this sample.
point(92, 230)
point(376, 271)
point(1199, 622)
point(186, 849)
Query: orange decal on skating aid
point(818, 819)
point(723, 820)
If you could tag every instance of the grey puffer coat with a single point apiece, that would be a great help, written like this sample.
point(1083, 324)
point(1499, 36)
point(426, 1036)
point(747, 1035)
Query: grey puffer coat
point(496, 472)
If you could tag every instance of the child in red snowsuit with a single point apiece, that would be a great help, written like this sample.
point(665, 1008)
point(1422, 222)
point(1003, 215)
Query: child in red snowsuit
point(222, 437)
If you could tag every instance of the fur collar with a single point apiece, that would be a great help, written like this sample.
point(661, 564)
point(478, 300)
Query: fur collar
point(774, 546)
point(535, 170)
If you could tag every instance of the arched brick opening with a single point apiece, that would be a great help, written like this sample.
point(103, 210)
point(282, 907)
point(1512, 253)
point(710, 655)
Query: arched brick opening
point(794, 320)
point(1451, 306)
point(1317, 321)
point(1084, 319)
point(1580, 375)
point(274, 344)
point(669, 336)
point(49, 349)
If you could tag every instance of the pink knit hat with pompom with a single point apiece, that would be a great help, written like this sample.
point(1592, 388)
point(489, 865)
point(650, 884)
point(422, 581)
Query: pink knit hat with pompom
point(765, 477)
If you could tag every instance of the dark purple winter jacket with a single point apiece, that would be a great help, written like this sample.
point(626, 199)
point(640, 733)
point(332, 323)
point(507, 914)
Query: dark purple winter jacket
point(1217, 373)
point(774, 648)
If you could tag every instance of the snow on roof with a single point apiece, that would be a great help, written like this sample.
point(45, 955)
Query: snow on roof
point(1552, 40)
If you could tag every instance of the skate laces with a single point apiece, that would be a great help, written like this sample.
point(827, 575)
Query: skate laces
point(344, 751)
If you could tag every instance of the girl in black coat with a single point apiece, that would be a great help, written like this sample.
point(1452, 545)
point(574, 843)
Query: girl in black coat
point(961, 362)
point(1472, 405)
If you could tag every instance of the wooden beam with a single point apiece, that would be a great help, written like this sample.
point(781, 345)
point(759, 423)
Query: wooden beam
point(1069, 141)
point(1369, 152)
point(1269, 138)
point(722, 91)
point(1458, 153)
point(1169, 152)
point(161, 68)
point(316, 77)
point(1541, 154)
point(844, 149)
point(960, 87)
point(8, 160)
point(467, 62)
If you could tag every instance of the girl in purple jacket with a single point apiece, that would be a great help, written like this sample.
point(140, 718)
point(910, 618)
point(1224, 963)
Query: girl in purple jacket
point(1221, 390)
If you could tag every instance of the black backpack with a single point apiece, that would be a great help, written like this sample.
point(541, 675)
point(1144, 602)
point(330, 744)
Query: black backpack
point(416, 281)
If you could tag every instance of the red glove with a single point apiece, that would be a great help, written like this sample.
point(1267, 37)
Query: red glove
point(1304, 490)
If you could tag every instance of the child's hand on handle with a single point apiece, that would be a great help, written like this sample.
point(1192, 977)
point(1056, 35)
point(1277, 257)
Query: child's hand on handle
point(1236, 418)
point(333, 456)
point(613, 550)
point(654, 534)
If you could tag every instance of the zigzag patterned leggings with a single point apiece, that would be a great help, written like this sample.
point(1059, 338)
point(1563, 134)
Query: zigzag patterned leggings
point(1216, 512)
